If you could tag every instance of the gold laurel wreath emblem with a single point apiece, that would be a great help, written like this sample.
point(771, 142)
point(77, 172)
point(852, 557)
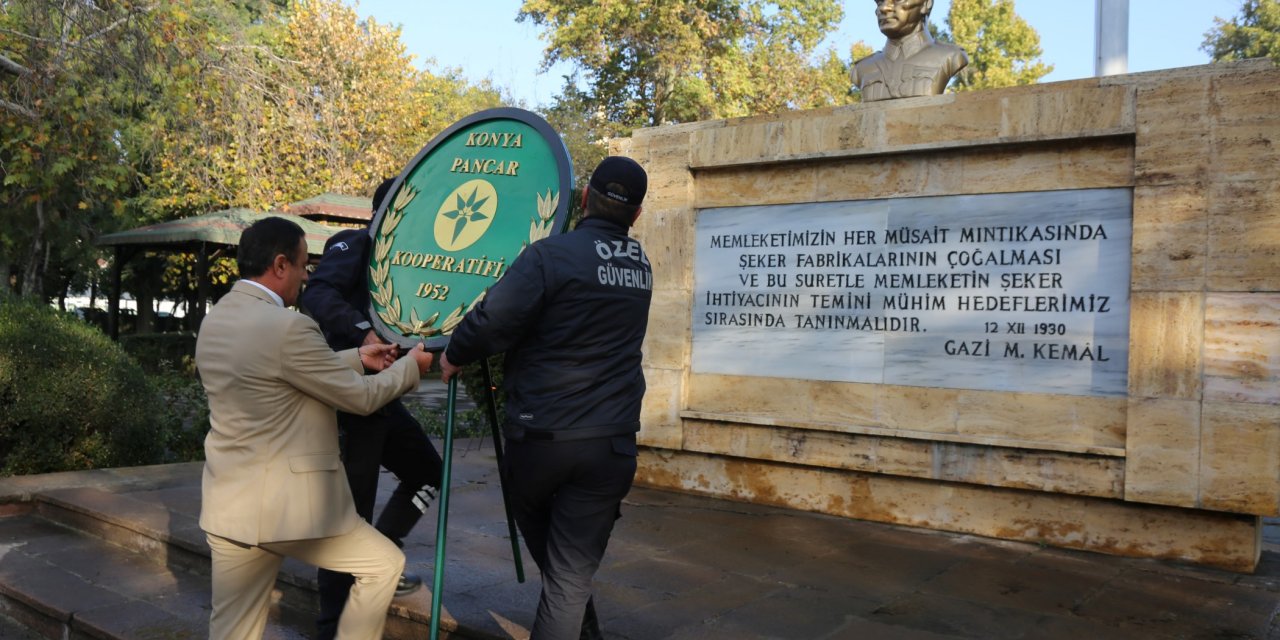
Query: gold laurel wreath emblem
point(384, 289)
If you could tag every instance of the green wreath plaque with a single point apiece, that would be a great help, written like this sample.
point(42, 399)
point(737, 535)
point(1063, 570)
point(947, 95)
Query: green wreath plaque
point(462, 210)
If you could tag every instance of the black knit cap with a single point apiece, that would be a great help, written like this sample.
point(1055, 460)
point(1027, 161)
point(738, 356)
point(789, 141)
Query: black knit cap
point(621, 179)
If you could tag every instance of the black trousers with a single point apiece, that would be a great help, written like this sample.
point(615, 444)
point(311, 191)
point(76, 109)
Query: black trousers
point(389, 438)
point(566, 496)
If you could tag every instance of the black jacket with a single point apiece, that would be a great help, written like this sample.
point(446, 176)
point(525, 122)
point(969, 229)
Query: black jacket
point(571, 314)
point(337, 294)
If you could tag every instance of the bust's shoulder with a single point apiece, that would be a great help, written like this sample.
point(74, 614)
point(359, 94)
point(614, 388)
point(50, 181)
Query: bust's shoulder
point(939, 53)
point(866, 59)
point(869, 61)
point(867, 69)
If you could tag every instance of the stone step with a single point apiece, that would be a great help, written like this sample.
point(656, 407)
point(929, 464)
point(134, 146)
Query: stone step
point(154, 524)
point(160, 527)
point(58, 582)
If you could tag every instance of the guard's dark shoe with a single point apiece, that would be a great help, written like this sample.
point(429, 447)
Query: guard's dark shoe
point(408, 584)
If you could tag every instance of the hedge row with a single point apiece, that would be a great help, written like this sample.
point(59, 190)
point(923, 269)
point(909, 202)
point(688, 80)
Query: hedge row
point(72, 399)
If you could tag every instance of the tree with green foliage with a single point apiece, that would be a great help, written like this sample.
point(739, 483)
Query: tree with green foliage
point(774, 67)
point(1004, 50)
point(584, 127)
point(114, 114)
point(87, 90)
point(74, 76)
point(665, 61)
point(1254, 33)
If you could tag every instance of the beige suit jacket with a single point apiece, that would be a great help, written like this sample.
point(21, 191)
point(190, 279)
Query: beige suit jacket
point(272, 471)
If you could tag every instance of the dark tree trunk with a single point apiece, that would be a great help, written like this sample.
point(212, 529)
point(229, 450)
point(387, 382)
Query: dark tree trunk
point(33, 274)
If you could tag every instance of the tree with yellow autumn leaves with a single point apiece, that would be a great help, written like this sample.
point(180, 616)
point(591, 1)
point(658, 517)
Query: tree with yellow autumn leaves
point(118, 113)
point(123, 112)
point(315, 100)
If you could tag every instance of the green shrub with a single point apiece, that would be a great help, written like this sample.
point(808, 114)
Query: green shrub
point(70, 398)
point(469, 423)
point(162, 352)
point(185, 415)
point(473, 384)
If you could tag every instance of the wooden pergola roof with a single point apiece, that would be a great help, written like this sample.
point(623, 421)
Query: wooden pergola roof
point(333, 208)
point(218, 228)
point(201, 235)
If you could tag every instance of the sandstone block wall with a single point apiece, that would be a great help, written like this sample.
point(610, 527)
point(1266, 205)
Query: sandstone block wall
point(1182, 467)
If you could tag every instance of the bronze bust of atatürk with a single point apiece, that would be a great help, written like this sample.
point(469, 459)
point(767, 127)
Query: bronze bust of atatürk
point(912, 62)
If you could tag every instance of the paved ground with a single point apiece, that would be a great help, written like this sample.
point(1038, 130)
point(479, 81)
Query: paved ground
point(679, 566)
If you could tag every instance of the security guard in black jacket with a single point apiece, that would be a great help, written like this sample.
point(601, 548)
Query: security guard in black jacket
point(337, 297)
point(570, 314)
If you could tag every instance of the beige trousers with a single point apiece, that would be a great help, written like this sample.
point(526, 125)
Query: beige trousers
point(244, 574)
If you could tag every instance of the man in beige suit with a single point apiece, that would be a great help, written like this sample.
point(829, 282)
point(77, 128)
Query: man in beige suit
point(273, 482)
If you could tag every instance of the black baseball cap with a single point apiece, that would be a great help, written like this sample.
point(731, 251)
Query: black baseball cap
point(620, 178)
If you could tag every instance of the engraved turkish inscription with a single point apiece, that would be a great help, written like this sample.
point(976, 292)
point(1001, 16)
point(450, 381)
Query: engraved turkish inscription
point(1005, 292)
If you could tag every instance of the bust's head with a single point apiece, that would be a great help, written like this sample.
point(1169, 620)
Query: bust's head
point(901, 18)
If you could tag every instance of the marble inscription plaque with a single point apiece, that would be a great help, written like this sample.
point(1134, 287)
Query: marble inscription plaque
point(1004, 292)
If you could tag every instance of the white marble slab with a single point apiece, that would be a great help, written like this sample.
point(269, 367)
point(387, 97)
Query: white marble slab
point(911, 291)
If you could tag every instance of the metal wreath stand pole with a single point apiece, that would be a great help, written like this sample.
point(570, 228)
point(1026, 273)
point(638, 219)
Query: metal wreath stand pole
point(442, 505)
point(442, 516)
point(492, 403)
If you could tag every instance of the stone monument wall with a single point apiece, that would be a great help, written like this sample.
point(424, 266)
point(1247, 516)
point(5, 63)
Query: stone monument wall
point(836, 292)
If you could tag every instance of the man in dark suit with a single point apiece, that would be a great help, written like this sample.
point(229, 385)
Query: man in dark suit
point(273, 483)
point(337, 296)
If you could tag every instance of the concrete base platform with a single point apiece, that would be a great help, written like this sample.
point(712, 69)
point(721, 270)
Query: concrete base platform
point(117, 554)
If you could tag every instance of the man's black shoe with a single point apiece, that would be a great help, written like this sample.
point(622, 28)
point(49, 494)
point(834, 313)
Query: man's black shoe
point(408, 584)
